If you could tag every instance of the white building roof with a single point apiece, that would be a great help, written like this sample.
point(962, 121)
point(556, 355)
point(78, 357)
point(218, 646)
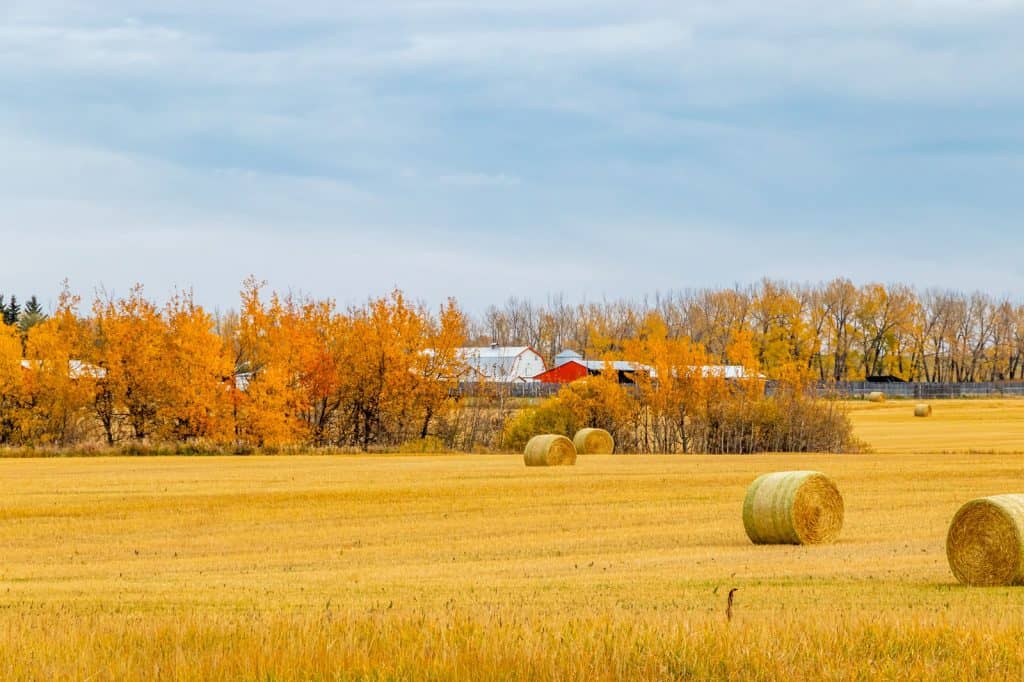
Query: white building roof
point(77, 369)
point(618, 365)
point(725, 371)
point(502, 363)
point(492, 351)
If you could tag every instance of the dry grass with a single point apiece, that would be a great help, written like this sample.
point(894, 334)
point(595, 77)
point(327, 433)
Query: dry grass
point(956, 426)
point(474, 566)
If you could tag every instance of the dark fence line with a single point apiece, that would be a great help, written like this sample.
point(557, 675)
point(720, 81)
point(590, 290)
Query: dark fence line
point(842, 389)
point(509, 390)
point(860, 389)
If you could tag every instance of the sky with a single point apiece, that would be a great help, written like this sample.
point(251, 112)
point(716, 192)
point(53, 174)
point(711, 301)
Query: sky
point(482, 150)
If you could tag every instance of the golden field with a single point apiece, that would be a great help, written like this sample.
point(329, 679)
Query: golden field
point(476, 567)
point(972, 426)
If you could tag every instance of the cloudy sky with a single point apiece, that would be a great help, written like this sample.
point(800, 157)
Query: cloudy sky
point(517, 147)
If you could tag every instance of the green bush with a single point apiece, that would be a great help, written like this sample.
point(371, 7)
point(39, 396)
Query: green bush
point(551, 416)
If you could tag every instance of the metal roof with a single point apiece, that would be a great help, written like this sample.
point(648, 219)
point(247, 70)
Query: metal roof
point(76, 369)
point(565, 356)
point(618, 365)
point(724, 371)
point(492, 351)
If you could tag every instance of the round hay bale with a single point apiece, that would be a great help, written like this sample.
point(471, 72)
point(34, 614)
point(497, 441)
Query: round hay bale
point(549, 450)
point(922, 410)
point(876, 397)
point(985, 543)
point(594, 442)
point(793, 507)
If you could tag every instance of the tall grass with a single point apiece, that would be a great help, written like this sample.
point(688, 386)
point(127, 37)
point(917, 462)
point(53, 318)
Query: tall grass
point(112, 645)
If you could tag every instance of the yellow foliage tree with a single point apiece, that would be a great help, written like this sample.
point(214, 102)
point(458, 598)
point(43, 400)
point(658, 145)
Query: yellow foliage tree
point(266, 397)
point(199, 376)
point(12, 383)
point(129, 347)
point(674, 384)
point(58, 386)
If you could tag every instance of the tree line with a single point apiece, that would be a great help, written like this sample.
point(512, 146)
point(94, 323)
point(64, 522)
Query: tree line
point(294, 371)
point(840, 331)
point(281, 371)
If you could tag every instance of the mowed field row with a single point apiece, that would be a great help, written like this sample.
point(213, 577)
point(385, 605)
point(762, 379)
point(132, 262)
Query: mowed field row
point(469, 567)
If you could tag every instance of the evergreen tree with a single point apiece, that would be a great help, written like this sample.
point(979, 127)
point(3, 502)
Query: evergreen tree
point(3, 310)
point(33, 307)
point(32, 315)
point(13, 311)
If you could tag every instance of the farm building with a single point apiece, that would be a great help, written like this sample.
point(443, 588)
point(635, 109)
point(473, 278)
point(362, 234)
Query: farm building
point(502, 364)
point(77, 369)
point(570, 366)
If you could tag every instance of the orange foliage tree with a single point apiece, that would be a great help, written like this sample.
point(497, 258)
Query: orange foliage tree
point(674, 385)
point(12, 389)
point(128, 347)
point(58, 387)
point(199, 376)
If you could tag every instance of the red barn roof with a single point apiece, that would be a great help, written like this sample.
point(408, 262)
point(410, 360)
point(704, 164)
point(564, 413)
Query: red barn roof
point(565, 373)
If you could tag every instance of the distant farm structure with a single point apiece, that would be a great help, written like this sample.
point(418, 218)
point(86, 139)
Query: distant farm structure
point(571, 366)
point(501, 364)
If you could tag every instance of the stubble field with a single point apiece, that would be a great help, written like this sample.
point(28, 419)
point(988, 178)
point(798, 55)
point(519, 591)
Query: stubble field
point(469, 567)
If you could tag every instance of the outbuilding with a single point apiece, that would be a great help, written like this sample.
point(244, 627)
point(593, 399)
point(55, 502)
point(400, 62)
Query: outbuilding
point(501, 364)
point(570, 366)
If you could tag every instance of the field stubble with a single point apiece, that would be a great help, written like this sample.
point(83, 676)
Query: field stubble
point(469, 567)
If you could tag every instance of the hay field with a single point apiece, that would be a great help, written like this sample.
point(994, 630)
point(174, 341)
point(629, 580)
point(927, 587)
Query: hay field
point(469, 567)
point(956, 426)
point(456, 566)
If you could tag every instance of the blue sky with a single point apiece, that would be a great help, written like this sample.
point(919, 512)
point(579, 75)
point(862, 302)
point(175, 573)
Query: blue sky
point(487, 149)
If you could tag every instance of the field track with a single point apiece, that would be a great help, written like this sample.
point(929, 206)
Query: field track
point(457, 566)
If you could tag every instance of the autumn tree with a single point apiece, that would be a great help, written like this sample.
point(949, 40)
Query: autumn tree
point(266, 390)
point(199, 376)
point(12, 380)
point(58, 386)
point(400, 366)
point(672, 384)
point(129, 348)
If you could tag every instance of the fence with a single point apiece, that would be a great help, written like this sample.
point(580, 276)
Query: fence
point(860, 389)
point(534, 389)
point(842, 389)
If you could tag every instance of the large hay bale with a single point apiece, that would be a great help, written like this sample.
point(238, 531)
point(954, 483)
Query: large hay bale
point(549, 450)
point(876, 397)
point(793, 507)
point(594, 442)
point(985, 543)
point(922, 410)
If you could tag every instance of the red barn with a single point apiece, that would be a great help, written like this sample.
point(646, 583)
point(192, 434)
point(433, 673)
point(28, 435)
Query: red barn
point(570, 366)
point(563, 374)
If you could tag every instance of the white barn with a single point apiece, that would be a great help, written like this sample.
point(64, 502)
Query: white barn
point(501, 364)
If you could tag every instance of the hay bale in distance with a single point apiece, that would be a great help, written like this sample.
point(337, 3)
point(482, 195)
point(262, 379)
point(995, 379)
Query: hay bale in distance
point(923, 410)
point(593, 442)
point(793, 507)
point(549, 450)
point(985, 543)
point(876, 397)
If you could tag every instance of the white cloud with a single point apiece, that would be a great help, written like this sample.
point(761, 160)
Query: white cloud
point(347, 147)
